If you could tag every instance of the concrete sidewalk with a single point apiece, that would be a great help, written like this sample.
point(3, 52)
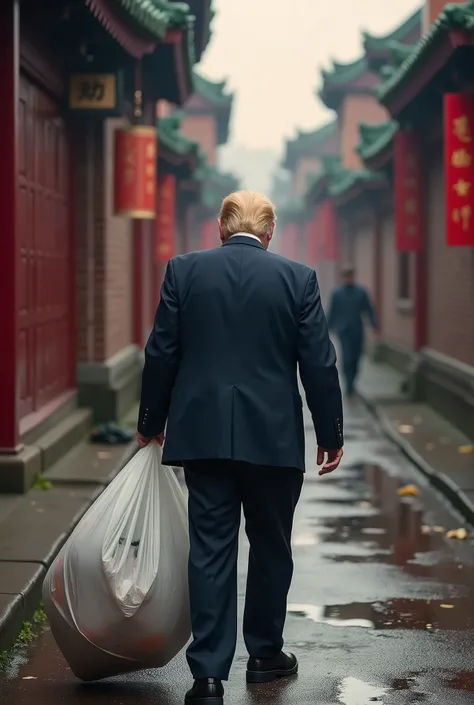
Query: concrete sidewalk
point(34, 526)
point(439, 449)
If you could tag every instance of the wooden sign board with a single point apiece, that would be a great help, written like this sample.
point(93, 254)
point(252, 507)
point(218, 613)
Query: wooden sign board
point(95, 93)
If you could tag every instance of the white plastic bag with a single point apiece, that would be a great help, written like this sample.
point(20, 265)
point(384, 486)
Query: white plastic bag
point(117, 594)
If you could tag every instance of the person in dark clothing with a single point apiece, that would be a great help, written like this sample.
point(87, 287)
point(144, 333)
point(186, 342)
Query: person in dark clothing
point(349, 309)
point(232, 327)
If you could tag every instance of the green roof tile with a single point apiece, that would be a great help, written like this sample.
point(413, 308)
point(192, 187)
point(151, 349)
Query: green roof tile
point(306, 142)
point(170, 135)
point(348, 178)
point(375, 138)
point(213, 91)
point(452, 17)
point(374, 43)
point(330, 167)
point(341, 74)
point(156, 16)
point(292, 209)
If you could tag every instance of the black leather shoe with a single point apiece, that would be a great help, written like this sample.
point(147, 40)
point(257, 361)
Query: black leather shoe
point(205, 691)
point(264, 670)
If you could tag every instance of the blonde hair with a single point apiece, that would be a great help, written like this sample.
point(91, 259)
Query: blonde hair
point(246, 212)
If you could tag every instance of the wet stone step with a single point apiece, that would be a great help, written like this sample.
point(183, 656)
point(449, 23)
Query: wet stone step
point(41, 520)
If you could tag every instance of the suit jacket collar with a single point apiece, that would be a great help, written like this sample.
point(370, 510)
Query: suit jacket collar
point(243, 240)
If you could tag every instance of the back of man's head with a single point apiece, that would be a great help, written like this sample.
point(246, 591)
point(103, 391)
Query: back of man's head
point(247, 212)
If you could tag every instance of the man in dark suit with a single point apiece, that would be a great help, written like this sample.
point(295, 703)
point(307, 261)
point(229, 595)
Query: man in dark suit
point(349, 309)
point(232, 327)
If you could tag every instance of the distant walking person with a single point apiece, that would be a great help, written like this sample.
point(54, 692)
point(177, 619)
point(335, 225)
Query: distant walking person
point(350, 307)
point(232, 327)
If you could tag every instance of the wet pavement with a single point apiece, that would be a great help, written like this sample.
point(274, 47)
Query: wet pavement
point(381, 609)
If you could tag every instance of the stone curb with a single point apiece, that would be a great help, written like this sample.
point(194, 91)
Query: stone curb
point(440, 481)
point(19, 607)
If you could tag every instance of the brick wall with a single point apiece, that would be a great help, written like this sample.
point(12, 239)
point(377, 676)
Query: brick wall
point(364, 254)
point(202, 129)
point(397, 323)
point(356, 109)
point(346, 243)
point(450, 324)
point(104, 248)
point(304, 167)
point(118, 284)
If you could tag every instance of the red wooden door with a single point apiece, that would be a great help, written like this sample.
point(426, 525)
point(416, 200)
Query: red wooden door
point(45, 314)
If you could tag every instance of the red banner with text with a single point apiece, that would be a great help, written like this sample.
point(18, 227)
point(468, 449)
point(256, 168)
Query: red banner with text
point(165, 218)
point(459, 168)
point(409, 221)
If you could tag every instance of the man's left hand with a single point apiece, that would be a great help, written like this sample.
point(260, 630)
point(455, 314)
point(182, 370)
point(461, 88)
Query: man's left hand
point(144, 441)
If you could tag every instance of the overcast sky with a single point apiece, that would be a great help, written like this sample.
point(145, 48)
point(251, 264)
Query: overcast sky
point(272, 52)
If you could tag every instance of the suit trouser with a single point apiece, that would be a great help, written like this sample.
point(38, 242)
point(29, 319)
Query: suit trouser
point(217, 492)
point(351, 348)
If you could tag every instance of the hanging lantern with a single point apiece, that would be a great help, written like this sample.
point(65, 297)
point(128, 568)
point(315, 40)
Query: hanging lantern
point(165, 218)
point(135, 172)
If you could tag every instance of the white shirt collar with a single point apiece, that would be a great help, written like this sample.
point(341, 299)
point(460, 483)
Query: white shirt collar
point(246, 235)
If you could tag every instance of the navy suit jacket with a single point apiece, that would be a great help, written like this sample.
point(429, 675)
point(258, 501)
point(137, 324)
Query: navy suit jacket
point(232, 326)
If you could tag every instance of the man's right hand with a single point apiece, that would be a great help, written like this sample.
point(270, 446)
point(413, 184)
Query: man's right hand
point(332, 461)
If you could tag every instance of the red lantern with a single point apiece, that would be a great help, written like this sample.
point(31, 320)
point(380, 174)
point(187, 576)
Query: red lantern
point(459, 168)
point(135, 172)
point(165, 218)
point(409, 207)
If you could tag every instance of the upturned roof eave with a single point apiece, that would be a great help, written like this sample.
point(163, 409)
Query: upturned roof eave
point(453, 28)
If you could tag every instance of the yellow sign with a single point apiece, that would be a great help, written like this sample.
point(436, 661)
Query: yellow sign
point(93, 91)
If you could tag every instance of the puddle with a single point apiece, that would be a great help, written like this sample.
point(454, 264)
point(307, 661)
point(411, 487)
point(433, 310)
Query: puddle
point(305, 538)
point(403, 613)
point(327, 615)
point(353, 691)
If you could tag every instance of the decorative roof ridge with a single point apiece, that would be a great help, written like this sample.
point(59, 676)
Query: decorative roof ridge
point(453, 16)
point(375, 138)
point(213, 91)
point(347, 178)
point(331, 166)
point(156, 16)
point(170, 135)
point(372, 42)
point(341, 73)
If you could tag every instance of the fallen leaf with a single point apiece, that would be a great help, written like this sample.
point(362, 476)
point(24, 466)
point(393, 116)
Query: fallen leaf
point(457, 534)
point(408, 491)
point(406, 428)
point(447, 607)
point(439, 529)
point(29, 678)
point(429, 626)
point(465, 450)
point(104, 455)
